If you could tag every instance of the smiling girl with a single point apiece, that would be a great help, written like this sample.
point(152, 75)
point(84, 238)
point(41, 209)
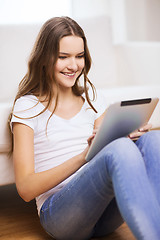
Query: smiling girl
point(54, 122)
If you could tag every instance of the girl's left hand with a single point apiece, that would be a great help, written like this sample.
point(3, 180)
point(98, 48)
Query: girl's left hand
point(90, 139)
point(139, 132)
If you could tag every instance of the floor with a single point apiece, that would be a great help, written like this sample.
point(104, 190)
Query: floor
point(19, 220)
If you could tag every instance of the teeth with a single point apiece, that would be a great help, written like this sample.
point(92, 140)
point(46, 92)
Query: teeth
point(69, 74)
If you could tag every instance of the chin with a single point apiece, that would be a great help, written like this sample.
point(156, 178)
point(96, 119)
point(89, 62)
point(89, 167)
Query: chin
point(66, 86)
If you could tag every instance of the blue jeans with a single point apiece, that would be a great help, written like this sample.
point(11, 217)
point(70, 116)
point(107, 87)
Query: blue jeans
point(121, 183)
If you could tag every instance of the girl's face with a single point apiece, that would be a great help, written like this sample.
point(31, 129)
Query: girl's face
point(70, 61)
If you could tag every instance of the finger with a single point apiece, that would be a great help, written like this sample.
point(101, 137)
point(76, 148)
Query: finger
point(90, 139)
point(145, 128)
point(135, 134)
point(95, 131)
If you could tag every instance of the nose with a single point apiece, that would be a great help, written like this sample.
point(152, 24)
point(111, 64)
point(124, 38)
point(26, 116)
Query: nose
point(72, 65)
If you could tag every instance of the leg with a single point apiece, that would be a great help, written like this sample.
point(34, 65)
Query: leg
point(134, 193)
point(149, 145)
point(74, 211)
point(78, 208)
point(110, 220)
point(135, 196)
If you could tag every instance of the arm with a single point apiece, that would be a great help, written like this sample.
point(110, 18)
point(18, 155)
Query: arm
point(30, 184)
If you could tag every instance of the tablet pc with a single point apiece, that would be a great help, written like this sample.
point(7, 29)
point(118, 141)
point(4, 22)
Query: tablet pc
point(121, 119)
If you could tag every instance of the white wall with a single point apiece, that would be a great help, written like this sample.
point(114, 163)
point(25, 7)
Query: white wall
point(138, 63)
point(122, 64)
point(32, 11)
point(143, 20)
point(84, 9)
point(16, 42)
point(153, 20)
point(136, 40)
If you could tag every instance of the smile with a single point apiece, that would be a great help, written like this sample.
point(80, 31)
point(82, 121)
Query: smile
point(69, 74)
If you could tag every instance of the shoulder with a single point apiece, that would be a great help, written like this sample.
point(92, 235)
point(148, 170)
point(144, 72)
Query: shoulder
point(25, 110)
point(26, 106)
point(25, 102)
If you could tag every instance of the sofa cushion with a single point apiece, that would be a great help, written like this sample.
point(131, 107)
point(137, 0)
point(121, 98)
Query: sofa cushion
point(5, 136)
point(6, 169)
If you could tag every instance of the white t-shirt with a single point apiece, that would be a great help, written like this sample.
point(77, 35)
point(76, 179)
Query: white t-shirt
point(64, 139)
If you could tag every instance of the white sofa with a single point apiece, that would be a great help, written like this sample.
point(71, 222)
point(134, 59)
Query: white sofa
point(15, 44)
point(111, 95)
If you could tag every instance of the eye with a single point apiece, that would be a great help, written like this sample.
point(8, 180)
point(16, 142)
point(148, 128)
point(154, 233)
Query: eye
point(80, 56)
point(62, 57)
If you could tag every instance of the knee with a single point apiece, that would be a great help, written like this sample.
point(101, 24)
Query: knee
point(149, 140)
point(122, 153)
point(154, 134)
point(122, 146)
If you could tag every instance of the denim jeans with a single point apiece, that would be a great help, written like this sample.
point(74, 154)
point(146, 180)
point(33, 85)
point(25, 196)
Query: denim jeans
point(121, 183)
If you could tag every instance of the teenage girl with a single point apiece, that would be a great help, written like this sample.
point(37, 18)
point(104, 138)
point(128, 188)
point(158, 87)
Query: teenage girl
point(54, 121)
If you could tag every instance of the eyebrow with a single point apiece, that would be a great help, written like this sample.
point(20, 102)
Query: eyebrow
point(63, 53)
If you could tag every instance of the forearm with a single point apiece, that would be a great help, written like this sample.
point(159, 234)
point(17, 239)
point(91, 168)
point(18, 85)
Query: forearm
point(34, 184)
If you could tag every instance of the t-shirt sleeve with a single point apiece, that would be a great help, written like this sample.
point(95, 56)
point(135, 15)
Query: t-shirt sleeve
point(24, 112)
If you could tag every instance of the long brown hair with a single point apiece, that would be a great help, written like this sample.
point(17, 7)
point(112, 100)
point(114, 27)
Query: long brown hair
point(40, 75)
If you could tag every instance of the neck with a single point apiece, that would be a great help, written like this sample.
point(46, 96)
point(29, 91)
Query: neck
point(65, 94)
